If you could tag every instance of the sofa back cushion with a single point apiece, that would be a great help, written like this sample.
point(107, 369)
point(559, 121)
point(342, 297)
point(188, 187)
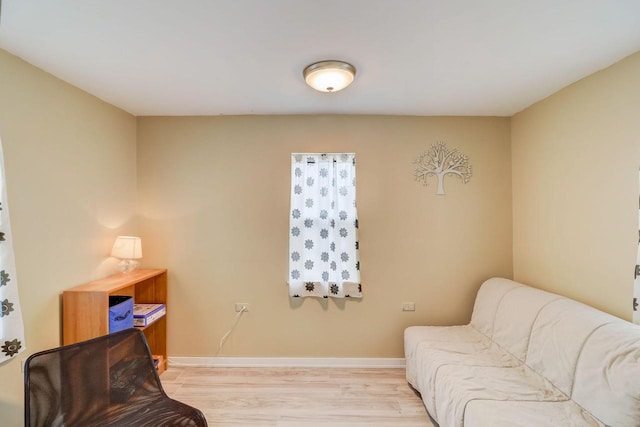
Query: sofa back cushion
point(607, 379)
point(515, 317)
point(557, 337)
point(487, 301)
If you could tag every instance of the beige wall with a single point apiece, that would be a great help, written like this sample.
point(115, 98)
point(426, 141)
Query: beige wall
point(214, 210)
point(213, 196)
point(70, 170)
point(575, 189)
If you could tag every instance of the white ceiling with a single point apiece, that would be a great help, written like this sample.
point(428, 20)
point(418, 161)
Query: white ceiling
point(414, 57)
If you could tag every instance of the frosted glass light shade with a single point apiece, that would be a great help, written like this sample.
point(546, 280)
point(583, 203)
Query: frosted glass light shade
point(127, 248)
point(329, 76)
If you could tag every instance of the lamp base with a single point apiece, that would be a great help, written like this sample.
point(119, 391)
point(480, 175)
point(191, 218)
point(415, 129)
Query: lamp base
point(128, 265)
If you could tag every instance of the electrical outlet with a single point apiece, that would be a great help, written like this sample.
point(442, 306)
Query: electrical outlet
point(241, 305)
point(408, 306)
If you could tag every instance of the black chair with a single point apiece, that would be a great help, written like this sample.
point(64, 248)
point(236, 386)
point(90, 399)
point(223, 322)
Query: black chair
point(106, 381)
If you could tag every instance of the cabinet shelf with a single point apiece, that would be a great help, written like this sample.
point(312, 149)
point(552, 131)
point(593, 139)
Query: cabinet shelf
point(142, 328)
point(85, 308)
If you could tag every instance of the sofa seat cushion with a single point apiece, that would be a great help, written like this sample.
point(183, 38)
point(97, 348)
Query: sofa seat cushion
point(479, 329)
point(431, 359)
point(437, 337)
point(456, 386)
point(494, 413)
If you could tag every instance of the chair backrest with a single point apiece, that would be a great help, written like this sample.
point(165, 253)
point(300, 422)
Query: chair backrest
point(91, 382)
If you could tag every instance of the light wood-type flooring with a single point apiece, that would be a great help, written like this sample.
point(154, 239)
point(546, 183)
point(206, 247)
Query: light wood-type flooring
point(298, 396)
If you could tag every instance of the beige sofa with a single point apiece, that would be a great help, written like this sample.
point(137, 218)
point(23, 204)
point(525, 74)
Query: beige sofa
point(527, 358)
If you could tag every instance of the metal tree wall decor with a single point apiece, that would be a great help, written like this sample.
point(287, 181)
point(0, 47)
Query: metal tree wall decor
point(440, 161)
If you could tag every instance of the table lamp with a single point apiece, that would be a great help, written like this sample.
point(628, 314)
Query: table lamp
point(127, 249)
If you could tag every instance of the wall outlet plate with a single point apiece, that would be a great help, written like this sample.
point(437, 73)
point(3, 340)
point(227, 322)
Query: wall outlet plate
point(408, 306)
point(241, 305)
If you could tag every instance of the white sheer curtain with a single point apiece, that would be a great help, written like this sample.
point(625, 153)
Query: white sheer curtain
point(11, 327)
point(323, 238)
point(636, 283)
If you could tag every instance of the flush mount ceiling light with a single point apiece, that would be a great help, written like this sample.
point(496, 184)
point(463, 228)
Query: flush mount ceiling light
point(329, 76)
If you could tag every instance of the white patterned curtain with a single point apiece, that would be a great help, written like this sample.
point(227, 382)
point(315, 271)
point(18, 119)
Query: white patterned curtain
point(11, 328)
point(323, 238)
point(636, 283)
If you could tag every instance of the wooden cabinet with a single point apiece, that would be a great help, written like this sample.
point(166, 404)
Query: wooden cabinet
point(85, 308)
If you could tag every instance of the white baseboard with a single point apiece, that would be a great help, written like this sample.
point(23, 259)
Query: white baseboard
point(287, 362)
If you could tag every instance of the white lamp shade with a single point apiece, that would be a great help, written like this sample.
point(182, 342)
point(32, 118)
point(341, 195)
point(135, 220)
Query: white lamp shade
point(127, 247)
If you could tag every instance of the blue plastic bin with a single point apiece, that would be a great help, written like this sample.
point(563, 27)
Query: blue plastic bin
point(120, 313)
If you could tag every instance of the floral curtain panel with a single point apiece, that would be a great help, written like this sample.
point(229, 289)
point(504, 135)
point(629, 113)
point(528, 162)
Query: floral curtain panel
point(636, 284)
point(323, 238)
point(11, 328)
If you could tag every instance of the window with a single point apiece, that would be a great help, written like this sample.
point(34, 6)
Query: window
point(323, 238)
